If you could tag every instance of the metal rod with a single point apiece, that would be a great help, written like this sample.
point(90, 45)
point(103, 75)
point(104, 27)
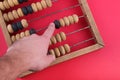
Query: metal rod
point(77, 31)
point(58, 11)
point(47, 26)
point(82, 42)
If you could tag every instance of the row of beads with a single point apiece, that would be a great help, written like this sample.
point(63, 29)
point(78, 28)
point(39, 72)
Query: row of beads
point(62, 50)
point(20, 12)
point(22, 34)
point(66, 21)
point(54, 39)
point(6, 4)
point(58, 38)
point(17, 26)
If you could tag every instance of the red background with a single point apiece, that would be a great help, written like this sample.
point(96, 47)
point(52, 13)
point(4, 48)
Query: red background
point(99, 65)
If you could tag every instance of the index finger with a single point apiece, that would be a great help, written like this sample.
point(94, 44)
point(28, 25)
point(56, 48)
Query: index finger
point(49, 32)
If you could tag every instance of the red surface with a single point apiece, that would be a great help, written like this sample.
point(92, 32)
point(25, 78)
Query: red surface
point(99, 65)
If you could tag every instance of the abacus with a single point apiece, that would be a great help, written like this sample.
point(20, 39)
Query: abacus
point(73, 22)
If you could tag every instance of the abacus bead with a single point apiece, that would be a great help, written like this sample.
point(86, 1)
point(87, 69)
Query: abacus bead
point(13, 38)
point(22, 34)
point(20, 13)
point(24, 10)
point(10, 16)
point(29, 9)
point(10, 2)
point(27, 33)
point(57, 52)
point(34, 7)
point(2, 6)
point(57, 24)
point(62, 23)
point(76, 18)
point(49, 3)
point(71, 19)
point(39, 6)
point(32, 31)
point(51, 52)
point(14, 12)
point(10, 29)
point(17, 36)
point(19, 25)
point(6, 17)
point(16, 2)
point(5, 3)
point(66, 20)
point(63, 35)
point(14, 27)
point(53, 40)
point(58, 38)
point(24, 23)
point(20, 1)
point(43, 3)
point(67, 48)
point(62, 50)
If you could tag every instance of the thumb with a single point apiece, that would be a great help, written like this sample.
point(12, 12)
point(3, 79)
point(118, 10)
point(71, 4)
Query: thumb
point(50, 58)
point(48, 33)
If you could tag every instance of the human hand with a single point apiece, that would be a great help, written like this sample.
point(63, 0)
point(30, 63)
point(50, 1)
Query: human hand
point(31, 52)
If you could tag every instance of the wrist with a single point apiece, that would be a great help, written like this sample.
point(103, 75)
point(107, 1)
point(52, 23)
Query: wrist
point(15, 64)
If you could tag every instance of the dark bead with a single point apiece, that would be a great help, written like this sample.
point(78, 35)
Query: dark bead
point(19, 25)
point(25, 0)
point(14, 27)
point(29, 9)
point(57, 24)
point(20, 1)
point(24, 10)
point(32, 31)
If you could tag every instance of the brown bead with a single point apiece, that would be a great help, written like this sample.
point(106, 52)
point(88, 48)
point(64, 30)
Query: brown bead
point(27, 33)
point(57, 52)
point(44, 4)
point(20, 13)
point(10, 2)
point(34, 7)
point(66, 20)
point(5, 3)
point(53, 40)
point(71, 19)
point(16, 2)
point(10, 16)
point(67, 48)
point(62, 23)
point(76, 18)
point(22, 34)
point(9, 28)
point(6, 17)
point(39, 6)
point(62, 50)
point(49, 3)
point(13, 38)
point(58, 38)
point(17, 36)
point(14, 12)
point(51, 52)
point(2, 6)
point(24, 23)
point(63, 36)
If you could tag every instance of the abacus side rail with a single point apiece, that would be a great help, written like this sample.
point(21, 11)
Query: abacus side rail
point(4, 29)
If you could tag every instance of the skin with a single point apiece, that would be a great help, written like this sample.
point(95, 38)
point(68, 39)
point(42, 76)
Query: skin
point(29, 53)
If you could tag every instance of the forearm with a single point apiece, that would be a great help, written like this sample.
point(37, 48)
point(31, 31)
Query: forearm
point(11, 67)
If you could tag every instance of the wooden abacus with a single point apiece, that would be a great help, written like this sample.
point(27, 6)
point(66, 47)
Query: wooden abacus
point(60, 46)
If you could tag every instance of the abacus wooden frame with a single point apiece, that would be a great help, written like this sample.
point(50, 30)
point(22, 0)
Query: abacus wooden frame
point(86, 10)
